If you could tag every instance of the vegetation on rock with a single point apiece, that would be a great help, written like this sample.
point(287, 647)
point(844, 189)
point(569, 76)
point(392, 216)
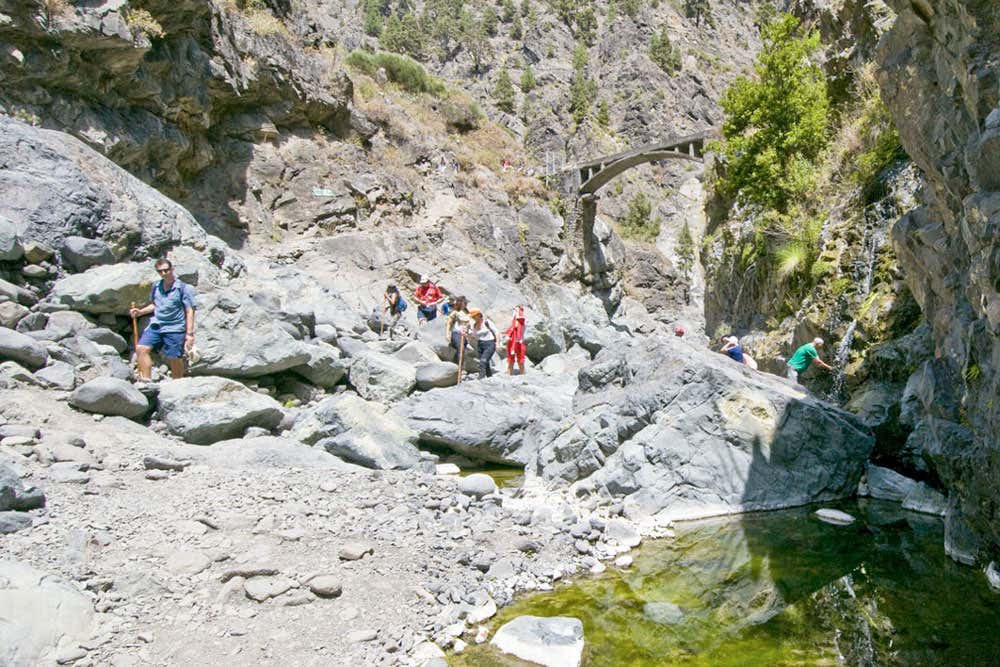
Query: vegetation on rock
point(663, 53)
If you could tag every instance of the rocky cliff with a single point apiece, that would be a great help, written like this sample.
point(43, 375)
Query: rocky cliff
point(939, 76)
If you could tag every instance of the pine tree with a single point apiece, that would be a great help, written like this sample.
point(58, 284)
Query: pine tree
point(663, 53)
point(375, 12)
point(586, 25)
point(528, 82)
point(582, 88)
point(525, 8)
point(630, 7)
point(603, 115)
point(403, 35)
point(490, 22)
point(516, 29)
point(503, 91)
point(685, 250)
point(509, 11)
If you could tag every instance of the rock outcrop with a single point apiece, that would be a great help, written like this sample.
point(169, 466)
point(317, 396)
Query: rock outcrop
point(944, 96)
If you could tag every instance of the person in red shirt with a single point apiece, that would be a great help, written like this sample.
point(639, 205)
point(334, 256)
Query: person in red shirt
point(515, 342)
point(428, 296)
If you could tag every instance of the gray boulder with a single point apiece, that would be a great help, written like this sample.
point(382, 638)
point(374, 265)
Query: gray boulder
point(203, 410)
point(14, 495)
point(110, 396)
point(359, 431)
point(500, 419)
point(11, 313)
point(107, 337)
point(238, 338)
point(380, 377)
point(13, 374)
point(10, 244)
point(681, 432)
point(80, 253)
point(324, 368)
point(543, 339)
point(111, 289)
point(262, 453)
point(11, 522)
point(555, 641)
point(436, 374)
point(23, 349)
point(477, 485)
point(416, 352)
point(51, 613)
point(57, 375)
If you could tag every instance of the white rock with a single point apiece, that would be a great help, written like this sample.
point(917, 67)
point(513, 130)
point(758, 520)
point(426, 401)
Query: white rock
point(551, 642)
point(836, 517)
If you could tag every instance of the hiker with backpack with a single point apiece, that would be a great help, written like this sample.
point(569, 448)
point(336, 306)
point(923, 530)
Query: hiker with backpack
point(395, 306)
point(485, 333)
point(428, 296)
point(171, 329)
point(457, 325)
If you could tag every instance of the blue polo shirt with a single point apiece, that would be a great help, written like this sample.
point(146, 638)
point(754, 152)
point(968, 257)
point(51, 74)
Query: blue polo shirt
point(169, 305)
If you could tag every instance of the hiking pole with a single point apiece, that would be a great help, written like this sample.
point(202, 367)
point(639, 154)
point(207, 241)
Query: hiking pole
point(135, 339)
point(461, 350)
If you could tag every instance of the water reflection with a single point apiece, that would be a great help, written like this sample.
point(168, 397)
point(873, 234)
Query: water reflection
point(783, 588)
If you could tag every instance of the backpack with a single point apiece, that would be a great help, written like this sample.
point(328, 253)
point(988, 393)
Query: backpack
point(400, 304)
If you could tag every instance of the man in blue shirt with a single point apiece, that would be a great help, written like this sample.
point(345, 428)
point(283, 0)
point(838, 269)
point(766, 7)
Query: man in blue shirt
point(171, 330)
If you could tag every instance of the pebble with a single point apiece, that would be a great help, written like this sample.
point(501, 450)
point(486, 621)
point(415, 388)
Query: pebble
point(70, 655)
point(263, 588)
point(188, 562)
point(355, 550)
point(157, 475)
point(326, 586)
point(835, 517)
point(364, 635)
point(623, 561)
point(158, 463)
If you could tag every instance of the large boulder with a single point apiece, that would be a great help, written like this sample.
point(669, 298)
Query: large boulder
point(359, 431)
point(500, 419)
point(436, 375)
point(555, 641)
point(238, 338)
point(25, 350)
point(56, 187)
point(325, 368)
point(263, 452)
point(380, 377)
point(203, 410)
point(81, 253)
point(681, 432)
point(11, 313)
point(110, 396)
point(14, 495)
point(10, 244)
point(39, 614)
point(113, 288)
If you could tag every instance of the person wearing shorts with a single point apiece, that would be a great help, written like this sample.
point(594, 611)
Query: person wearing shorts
point(427, 296)
point(171, 329)
point(515, 342)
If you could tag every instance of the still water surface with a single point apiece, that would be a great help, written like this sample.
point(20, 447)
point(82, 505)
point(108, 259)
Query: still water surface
point(781, 588)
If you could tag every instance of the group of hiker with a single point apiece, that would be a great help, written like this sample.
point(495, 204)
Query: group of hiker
point(804, 356)
point(171, 329)
point(465, 328)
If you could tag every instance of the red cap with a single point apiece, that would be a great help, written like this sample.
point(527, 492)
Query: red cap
point(678, 331)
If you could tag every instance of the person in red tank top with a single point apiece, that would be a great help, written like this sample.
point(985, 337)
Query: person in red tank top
point(515, 342)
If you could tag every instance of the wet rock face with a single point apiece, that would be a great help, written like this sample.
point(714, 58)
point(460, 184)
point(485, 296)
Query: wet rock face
point(940, 81)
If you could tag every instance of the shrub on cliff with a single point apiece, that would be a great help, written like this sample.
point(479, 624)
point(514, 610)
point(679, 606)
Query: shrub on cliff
point(777, 122)
point(405, 72)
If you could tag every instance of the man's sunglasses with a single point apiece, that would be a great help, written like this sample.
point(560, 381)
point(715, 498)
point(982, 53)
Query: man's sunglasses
point(166, 270)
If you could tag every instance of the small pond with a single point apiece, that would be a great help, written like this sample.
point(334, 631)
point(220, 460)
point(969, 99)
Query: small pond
point(780, 588)
point(504, 476)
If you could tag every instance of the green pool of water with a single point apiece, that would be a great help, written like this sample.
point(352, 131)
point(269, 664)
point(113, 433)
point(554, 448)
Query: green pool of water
point(780, 588)
point(504, 476)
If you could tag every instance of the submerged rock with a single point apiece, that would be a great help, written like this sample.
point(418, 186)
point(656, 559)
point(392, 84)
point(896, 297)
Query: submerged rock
point(551, 642)
point(836, 517)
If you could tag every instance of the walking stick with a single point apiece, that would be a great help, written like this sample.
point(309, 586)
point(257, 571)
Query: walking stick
point(461, 350)
point(135, 330)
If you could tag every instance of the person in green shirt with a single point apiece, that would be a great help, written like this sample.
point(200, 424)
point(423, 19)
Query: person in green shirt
point(803, 358)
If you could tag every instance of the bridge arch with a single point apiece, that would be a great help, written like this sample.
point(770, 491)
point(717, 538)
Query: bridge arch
point(597, 173)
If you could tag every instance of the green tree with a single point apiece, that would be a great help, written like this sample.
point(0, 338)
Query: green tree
point(586, 25)
point(508, 11)
point(528, 82)
point(503, 91)
point(477, 42)
point(698, 10)
point(374, 12)
point(445, 21)
point(638, 222)
point(776, 123)
point(663, 53)
point(685, 250)
point(525, 8)
point(516, 28)
point(603, 115)
point(630, 7)
point(582, 89)
point(403, 35)
point(490, 22)
point(612, 12)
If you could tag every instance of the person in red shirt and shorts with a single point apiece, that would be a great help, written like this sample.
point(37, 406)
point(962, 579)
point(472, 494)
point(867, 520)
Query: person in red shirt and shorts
point(515, 342)
point(428, 297)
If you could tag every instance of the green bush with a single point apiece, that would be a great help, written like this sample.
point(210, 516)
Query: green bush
point(663, 53)
point(776, 123)
point(503, 92)
point(405, 72)
point(528, 81)
point(582, 89)
point(403, 34)
point(461, 114)
point(879, 134)
point(638, 222)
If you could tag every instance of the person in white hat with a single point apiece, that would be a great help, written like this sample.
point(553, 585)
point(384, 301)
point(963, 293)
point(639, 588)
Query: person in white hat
point(427, 296)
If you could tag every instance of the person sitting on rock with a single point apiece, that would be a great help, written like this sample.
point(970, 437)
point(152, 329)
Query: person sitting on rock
point(731, 347)
point(428, 296)
point(458, 323)
point(514, 335)
point(171, 330)
point(485, 333)
point(803, 358)
point(394, 307)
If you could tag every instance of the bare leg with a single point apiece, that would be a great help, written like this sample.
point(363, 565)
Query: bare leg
point(510, 366)
point(144, 361)
point(176, 368)
point(520, 368)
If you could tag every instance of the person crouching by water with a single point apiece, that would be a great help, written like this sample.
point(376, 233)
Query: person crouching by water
point(394, 307)
point(485, 333)
point(458, 323)
point(171, 330)
point(516, 349)
point(803, 358)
